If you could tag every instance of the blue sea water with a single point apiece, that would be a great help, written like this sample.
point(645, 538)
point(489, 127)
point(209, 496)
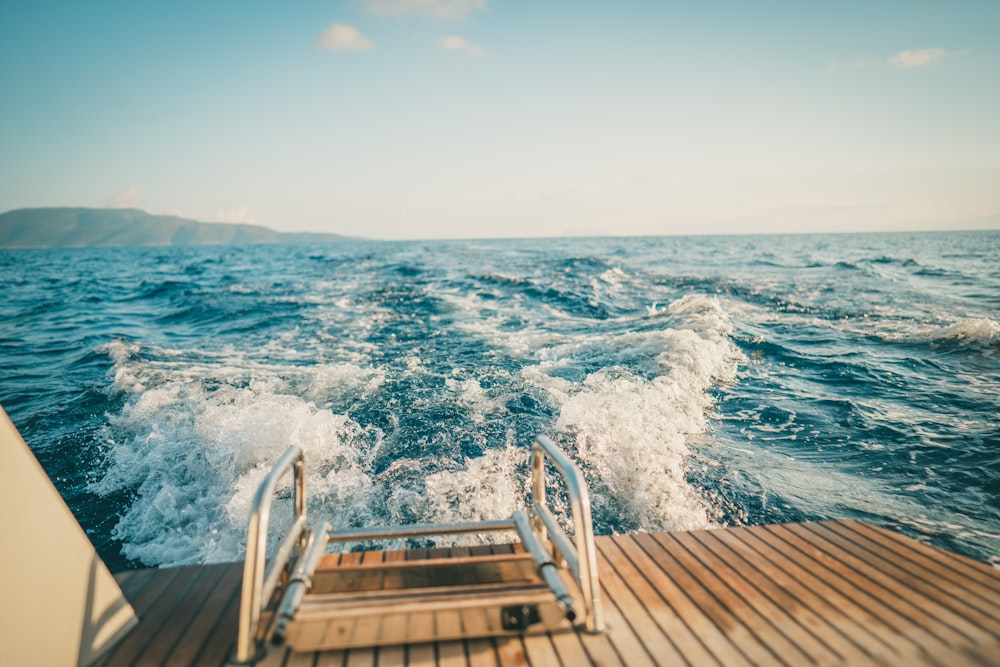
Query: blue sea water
point(699, 381)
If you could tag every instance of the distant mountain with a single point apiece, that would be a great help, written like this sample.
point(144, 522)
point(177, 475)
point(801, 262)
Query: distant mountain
point(104, 227)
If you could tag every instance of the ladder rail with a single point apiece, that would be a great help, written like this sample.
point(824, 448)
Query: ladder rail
point(257, 589)
point(583, 526)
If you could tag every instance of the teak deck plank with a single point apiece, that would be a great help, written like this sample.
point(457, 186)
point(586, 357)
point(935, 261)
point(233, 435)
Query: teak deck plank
point(481, 652)
point(188, 606)
point(633, 565)
point(656, 646)
point(540, 651)
point(855, 587)
point(802, 624)
point(159, 606)
point(700, 590)
point(843, 623)
point(784, 636)
point(936, 619)
point(676, 613)
point(826, 593)
point(938, 585)
point(970, 571)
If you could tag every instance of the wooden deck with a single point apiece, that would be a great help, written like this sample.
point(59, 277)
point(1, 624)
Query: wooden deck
point(829, 593)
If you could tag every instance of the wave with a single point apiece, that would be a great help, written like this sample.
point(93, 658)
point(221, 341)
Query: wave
point(908, 262)
point(631, 431)
point(977, 333)
point(193, 442)
point(198, 430)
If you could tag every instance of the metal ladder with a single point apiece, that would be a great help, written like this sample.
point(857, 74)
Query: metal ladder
point(297, 598)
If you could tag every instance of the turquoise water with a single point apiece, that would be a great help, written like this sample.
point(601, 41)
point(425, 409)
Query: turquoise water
point(699, 381)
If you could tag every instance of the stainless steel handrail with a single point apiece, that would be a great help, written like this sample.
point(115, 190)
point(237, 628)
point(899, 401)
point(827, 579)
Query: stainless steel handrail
point(254, 593)
point(547, 568)
point(584, 566)
point(300, 580)
point(261, 579)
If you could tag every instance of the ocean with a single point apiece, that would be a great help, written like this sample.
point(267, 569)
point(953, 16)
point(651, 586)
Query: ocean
point(698, 381)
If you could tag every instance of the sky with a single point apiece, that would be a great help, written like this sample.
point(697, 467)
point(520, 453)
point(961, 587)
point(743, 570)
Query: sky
point(403, 119)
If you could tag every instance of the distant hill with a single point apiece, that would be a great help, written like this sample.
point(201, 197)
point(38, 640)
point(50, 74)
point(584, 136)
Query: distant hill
point(105, 227)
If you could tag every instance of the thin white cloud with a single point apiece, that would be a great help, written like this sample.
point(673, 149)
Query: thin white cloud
point(340, 37)
point(128, 197)
point(906, 59)
point(441, 9)
point(234, 214)
point(917, 57)
point(461, 45)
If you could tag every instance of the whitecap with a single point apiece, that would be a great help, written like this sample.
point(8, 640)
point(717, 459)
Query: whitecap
point(630, 429)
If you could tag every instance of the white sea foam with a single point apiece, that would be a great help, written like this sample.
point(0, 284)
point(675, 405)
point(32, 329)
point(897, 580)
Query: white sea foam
point(477, 400)
point(193, 443)
point(199, 430)
point(631, 430)
point(630, 426)
point(487, 487)
point(489, 319)
point(608, 285)
point(979, 332)
point(195, 439)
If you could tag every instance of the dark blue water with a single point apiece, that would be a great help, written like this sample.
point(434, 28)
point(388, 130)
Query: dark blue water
point(700, 381)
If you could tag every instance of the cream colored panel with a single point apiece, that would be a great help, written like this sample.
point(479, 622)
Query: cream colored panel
point(59, 604)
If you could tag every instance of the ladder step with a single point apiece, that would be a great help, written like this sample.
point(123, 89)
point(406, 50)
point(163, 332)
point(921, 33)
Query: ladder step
point(380, 599)
point(423, 574)
point(322, 623)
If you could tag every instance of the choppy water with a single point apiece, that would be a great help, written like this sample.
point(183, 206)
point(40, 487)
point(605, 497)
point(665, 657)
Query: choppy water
point(700, 381)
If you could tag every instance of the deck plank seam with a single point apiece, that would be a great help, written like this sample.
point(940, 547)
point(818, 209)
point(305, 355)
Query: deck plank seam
point(568, 649)
point(986, 606)
point(889, 617)
point(739, 603)
point(893, 593)
point(894, 606)
point(671, 569)
point(166, 607)
point(798, 573)
point(891, 577)
point(964, 602)
point(723, 548)
point(985, 573)
point(715, 586)
point(784, 609)
point(159, 607)
point(668, 604)
point(213, 579)
point(224, 625)
point(613, 561)
point(214, 609)
point(330, 659)
point(913, 613)
point(134, 583)
point(682, 602)
point(612, 581)
point(540, 651)
point(622, 633)
point(782, 574)
point(158, 584)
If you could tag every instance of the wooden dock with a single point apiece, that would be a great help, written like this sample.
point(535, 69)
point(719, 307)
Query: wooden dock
point(827, 593)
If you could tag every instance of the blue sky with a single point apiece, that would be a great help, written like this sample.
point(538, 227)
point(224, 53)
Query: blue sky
point(482, 118)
